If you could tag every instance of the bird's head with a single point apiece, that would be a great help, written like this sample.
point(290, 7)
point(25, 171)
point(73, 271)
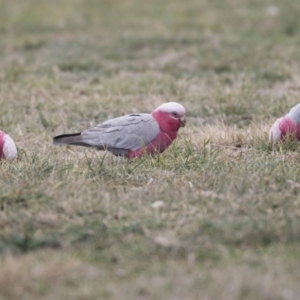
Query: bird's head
point(294, 114)
point(170, 116)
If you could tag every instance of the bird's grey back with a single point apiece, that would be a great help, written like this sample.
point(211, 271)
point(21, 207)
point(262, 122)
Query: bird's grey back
point(132, 132)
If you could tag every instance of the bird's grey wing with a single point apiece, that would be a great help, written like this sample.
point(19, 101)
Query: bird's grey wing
point(132, 132)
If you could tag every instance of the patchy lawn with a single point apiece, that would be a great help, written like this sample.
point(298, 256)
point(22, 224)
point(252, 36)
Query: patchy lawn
point(216, 216)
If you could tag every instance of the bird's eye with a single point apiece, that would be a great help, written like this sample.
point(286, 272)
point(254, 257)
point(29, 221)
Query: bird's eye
point(175, 114)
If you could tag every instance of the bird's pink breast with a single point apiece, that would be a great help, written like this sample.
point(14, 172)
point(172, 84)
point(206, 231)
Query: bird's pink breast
point(287, 126)
point(167, 134)
point(158, 145)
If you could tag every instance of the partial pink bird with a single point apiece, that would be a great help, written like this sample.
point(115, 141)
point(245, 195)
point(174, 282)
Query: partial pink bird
point(289, 125)
point(8, 148)
point(132, 135)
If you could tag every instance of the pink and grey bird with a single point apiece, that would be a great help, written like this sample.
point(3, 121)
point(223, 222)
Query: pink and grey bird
point(8, 148)
point(132, 135)
point(289, 125)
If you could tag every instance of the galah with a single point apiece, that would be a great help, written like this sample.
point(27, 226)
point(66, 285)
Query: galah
point(132, 135)
point(8, 148)
point(287, 125)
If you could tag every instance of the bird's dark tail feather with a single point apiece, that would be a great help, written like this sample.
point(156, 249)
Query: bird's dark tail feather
point(70, 139)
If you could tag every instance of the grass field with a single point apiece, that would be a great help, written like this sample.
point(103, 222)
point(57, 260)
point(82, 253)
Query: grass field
point(216, 216)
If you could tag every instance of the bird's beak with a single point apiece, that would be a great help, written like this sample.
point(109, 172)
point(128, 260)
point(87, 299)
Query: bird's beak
point(182, 121)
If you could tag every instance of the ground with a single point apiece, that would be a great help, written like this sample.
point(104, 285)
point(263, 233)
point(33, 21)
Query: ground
point(216, 216)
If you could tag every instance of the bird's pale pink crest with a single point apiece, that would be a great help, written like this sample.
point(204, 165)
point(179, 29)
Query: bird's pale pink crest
point(170, 116)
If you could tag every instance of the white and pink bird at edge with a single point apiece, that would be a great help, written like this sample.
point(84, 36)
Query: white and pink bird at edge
point(287, 126)
point(8, 148)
